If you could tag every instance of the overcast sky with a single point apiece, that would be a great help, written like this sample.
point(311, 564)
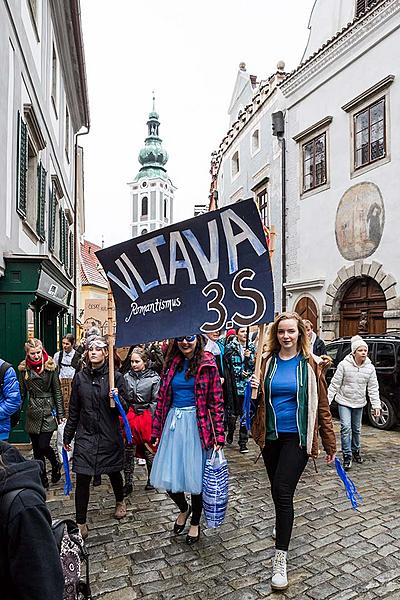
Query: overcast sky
point(189, 53)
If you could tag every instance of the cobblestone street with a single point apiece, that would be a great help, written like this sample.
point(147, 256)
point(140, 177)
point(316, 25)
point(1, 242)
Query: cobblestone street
point(335, 553)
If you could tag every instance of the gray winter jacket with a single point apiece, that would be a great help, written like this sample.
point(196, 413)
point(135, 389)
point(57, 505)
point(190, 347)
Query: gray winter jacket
point(142, 390)
point(351, 382)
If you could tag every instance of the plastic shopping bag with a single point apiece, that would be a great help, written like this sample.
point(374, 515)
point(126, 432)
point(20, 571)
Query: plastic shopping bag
point(215, 489)
point(60, 435)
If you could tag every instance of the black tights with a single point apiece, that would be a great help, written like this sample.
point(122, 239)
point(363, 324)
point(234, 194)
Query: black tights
point(285, 461)
point(82, 493)
point(42, 449)
point(197, 505)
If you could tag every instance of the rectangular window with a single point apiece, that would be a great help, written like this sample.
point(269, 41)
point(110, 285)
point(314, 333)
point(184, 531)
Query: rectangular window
point(54, 77)
point(262, 204)
point(235, 166)
point(41, 203)
point(314, 163)
point(385, 355)
point(22, 166)
point(369, 134)
point(255, 141)
point(52, 218)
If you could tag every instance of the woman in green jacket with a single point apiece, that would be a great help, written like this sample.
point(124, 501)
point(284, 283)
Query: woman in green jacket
point(39, 381)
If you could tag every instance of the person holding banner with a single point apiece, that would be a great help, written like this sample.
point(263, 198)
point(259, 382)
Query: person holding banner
point(292, 407)
point(239, 355)
point(99, 447)
point(142, 386)
point(188, 422)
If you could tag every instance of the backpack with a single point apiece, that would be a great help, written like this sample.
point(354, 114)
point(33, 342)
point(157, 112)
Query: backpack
point(15, 417)
point(72, 551)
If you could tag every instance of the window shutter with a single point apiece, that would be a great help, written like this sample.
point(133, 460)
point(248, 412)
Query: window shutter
point(22, 166)
point(71, 254)
point(66, 242)
point(52, 219)
point(61, 233)
point(40, 223)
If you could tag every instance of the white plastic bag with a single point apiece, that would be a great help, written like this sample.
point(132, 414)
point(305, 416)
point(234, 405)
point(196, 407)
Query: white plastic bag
point(60, 435)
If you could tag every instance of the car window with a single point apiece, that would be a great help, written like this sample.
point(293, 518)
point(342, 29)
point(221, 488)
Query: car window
point(332, 351)
point(345, 350)
point(384, 355)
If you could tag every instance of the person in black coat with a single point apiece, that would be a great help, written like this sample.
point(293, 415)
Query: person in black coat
point(318, 347)
point(99, 446)
point(30, 564)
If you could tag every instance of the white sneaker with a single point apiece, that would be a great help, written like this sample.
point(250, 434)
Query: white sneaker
point(141, 461)
point(279, 579)
point(273, 533)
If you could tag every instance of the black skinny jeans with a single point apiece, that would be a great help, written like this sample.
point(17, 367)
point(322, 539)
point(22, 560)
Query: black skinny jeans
point(285, 461)
point(197, 505)
point(42, 449)
point(82, 493)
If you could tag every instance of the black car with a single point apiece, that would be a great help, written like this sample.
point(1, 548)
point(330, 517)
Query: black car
point(384, 352)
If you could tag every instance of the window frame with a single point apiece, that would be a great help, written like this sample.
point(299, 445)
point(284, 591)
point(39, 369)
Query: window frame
point(54, 78)
point(303, 138)
point(368, 108)
point(235, 175)
point(313, 141)
point(254, 151)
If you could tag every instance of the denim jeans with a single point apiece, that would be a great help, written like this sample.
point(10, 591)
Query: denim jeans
point(350, 428)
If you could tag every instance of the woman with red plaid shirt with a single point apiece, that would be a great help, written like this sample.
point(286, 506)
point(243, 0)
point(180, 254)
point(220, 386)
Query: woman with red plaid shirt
point(189, 421)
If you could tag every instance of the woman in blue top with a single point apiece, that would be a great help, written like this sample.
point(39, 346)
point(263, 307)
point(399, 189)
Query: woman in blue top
point(292, 408)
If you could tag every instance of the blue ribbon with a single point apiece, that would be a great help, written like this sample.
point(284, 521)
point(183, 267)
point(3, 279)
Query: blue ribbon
point(68, 482)
point(127, 427)
point(351, 490)
point(245, 418)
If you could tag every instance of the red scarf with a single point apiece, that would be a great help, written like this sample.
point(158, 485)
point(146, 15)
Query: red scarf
point(37, 365)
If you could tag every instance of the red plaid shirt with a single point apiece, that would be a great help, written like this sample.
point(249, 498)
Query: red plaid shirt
point(209, 400)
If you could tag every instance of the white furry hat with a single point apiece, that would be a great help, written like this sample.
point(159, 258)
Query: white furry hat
point(357, 342)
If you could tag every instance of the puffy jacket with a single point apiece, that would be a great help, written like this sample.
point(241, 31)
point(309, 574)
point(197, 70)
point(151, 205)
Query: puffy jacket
point(45, 399)
point(209, 401)
point(312, 408)
point(350, 383)
point(99, 446)
point(30, 566)
point(142, 390)
point(10, 400)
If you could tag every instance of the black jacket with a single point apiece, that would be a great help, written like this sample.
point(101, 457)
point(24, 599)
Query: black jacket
point(30, 566)
point(319, 347)
point(99, 447)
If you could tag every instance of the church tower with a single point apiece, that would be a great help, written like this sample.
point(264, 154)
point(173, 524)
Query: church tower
point(152, 191)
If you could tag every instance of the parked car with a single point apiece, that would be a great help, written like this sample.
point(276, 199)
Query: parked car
point(384, 351)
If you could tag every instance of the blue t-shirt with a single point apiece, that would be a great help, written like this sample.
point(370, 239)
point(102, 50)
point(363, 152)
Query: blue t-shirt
point(284, 394)
point(183, 389)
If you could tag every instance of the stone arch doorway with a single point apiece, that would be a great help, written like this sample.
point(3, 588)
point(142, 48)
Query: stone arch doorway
point(307, 309)
point(362, 307)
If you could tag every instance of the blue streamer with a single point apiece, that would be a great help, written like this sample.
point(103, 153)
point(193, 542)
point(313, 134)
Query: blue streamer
point(245, 418)
point(351, 489)
point(127, 427)
point(68, 482)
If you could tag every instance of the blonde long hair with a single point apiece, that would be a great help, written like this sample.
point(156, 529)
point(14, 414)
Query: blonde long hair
point(32, 343)
point(303, 343)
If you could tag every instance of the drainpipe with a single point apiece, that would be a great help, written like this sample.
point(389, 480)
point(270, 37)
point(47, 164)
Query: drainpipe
point(76, 231)
point(278, 130)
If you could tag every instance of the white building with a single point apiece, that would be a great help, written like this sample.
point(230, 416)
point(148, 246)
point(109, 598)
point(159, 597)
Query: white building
point(341, 105)
point(152, 191)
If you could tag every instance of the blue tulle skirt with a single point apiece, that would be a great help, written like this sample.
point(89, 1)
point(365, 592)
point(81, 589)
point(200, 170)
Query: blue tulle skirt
point(179, 462)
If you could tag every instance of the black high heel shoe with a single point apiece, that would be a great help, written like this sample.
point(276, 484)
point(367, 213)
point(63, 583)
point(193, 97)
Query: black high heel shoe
point(179, 528)
point(192, 539)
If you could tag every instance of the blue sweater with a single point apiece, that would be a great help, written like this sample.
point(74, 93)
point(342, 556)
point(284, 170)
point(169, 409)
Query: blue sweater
point(284, 394)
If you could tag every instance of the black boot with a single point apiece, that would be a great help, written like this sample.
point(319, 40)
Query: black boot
point(128, 489)
point(56, 473)
point(45, 481)
point(357, 457)
point(347, 463)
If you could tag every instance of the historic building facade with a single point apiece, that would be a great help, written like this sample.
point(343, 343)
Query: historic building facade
point(333, 169)
point(152, 191)
point(43, 104)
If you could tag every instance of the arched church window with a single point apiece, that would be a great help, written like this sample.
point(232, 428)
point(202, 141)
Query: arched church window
point(145, 206)
point(165, 208)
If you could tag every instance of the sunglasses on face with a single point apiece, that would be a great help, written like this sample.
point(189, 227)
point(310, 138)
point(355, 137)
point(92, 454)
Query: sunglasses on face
point(188, 338)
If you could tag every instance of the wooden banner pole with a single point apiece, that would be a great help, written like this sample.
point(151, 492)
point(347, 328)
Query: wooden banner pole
point(110, 304)
point(263, 326)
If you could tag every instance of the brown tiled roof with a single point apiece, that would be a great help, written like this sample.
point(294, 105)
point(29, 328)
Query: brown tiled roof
point(369, 8)
point(90, 273)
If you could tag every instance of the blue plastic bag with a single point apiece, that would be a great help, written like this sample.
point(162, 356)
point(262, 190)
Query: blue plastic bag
point(215, 489)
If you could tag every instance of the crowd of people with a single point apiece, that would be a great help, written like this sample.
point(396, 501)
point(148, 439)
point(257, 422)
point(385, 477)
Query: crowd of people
point(183, 398)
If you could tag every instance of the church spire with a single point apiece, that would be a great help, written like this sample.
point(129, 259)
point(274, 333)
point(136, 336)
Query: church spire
point(153, 157)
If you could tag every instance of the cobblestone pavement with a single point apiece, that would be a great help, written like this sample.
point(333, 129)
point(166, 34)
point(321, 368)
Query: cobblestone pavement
point(336, 552)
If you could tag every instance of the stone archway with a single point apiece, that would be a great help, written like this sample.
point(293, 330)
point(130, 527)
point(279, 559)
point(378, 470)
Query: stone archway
point(362, 308)
point(345, 278)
